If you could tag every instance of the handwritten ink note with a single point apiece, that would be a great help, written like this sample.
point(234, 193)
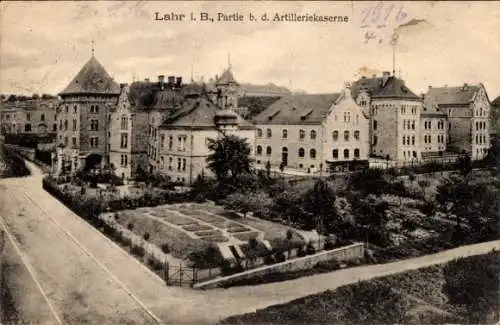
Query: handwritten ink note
point(376, 18)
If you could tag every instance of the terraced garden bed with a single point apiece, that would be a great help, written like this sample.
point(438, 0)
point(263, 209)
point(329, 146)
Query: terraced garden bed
point(237, 229)
point(196, 227)
point(173, 218)
point(246, 236)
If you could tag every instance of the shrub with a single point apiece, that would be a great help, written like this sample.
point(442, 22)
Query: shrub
point(310, 249)
point(330, 265)
point(301, 252)
point(130, 226)
point(165, 249)
point(146, 236)
point(269, 259)
point(279, 257)
point(138, 251)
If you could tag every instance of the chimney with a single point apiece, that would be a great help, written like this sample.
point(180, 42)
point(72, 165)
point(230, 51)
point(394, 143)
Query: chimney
point(122, 85)
point(161, 79)
point(385, 77)
point(178, 81)
point(171, 80)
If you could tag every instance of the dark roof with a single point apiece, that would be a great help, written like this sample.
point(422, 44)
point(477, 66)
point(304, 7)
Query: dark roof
point(226, 78)
point(92, 79)
point(297, 109)
point(431, 109)
point(453, 95)
point(150, 95)
point(375, 87)
point(198, 113)
point(496, 102)
point(256, 104)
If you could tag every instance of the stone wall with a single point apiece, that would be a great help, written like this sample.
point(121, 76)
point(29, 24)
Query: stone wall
point(302, 263)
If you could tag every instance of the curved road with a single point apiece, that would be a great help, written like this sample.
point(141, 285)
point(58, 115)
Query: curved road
point(88, 279)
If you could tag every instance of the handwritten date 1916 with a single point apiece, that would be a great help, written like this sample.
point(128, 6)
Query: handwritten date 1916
point(378, 15)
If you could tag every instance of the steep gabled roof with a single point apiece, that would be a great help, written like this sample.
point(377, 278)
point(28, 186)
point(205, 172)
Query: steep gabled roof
point(431, 109)
point(462, 95)
point(375, 87)
point(496, 102)
point(298, 109)
point(92, 79)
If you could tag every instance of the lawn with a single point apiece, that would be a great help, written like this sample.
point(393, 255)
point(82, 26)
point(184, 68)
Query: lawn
point(179, 243)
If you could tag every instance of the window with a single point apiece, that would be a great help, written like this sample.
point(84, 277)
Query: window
point(170, 142)
point(335, 154)
point(65, 125)
point(259, 150)
point(60, 125)
point(94, 125)
point(73, 140)
point(179, 164)
point(346, 153)
point(75, 109)
point(284, 134)
point(268, 150)
point(356, 153)
point(413, 140)
point(404, 142)
point(42, 117)
point(302, 134)
point(124, 140)
point(170, 160)
point(335, 135)
point(346, 135)
point(94, 109)
point(301, 152)
point(414, 154)
point(74, 125)
point(375, 124)
point(182, 143)
point(66, 109)
point(413, 125)
point(312, 153)
point(269, 133)
point(124, 123)
point(259, 133)
point(94, 142)
point(54, 127)
point(313, 135)
point(162, 160)
point(27, 128)
point(183, 163)
point(356, 135)
point(375, 140)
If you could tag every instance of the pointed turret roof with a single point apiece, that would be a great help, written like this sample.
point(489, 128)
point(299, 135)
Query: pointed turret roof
point(226, 78)
point(92, 79)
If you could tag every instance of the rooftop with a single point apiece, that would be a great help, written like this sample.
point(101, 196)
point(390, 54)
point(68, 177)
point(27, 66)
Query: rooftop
point(376, 88)
point(453, 95)
point(92, 79)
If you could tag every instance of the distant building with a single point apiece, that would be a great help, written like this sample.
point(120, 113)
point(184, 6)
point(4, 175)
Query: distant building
point(433, 130)
point(495, 117)
point(32, 116)
point(468, 109)
point(312, 133)
point(83, 118)
point(394, 111)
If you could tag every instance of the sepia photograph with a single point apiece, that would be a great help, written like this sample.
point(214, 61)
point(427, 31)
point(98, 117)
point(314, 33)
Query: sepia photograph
point(249, 162)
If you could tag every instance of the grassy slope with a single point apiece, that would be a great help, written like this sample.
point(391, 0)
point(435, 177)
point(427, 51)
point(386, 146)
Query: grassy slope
point(410, 297)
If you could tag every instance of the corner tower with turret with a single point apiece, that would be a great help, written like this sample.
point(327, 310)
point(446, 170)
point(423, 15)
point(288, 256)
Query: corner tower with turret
point(83, 118)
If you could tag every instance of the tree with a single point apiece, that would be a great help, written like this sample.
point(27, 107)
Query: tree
point(258, 202)
point(230, 157)
point(464, 164)
point(268, 169)
point(318, 202)
point(35, 96)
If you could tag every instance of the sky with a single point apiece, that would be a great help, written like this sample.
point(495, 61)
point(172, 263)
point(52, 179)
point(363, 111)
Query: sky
point(44, 44)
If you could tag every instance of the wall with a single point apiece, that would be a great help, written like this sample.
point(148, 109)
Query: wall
point(292, 142)
point(302, 263)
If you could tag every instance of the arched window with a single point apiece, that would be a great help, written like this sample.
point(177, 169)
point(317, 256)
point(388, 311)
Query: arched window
point(301, 152)
point(346, 153)
point(335, 135)
point(259, 133)
point(302, 134)
point(413, 140)
point(374, 124)
point(346, 135)
point(313, 134)
point(312, 153)
point(259, 150)
point(356, 153)
point(268, 150)
point(356, 135)
point(269, 133)
point(335, 154)
point(284, 133)
point(284, 149)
